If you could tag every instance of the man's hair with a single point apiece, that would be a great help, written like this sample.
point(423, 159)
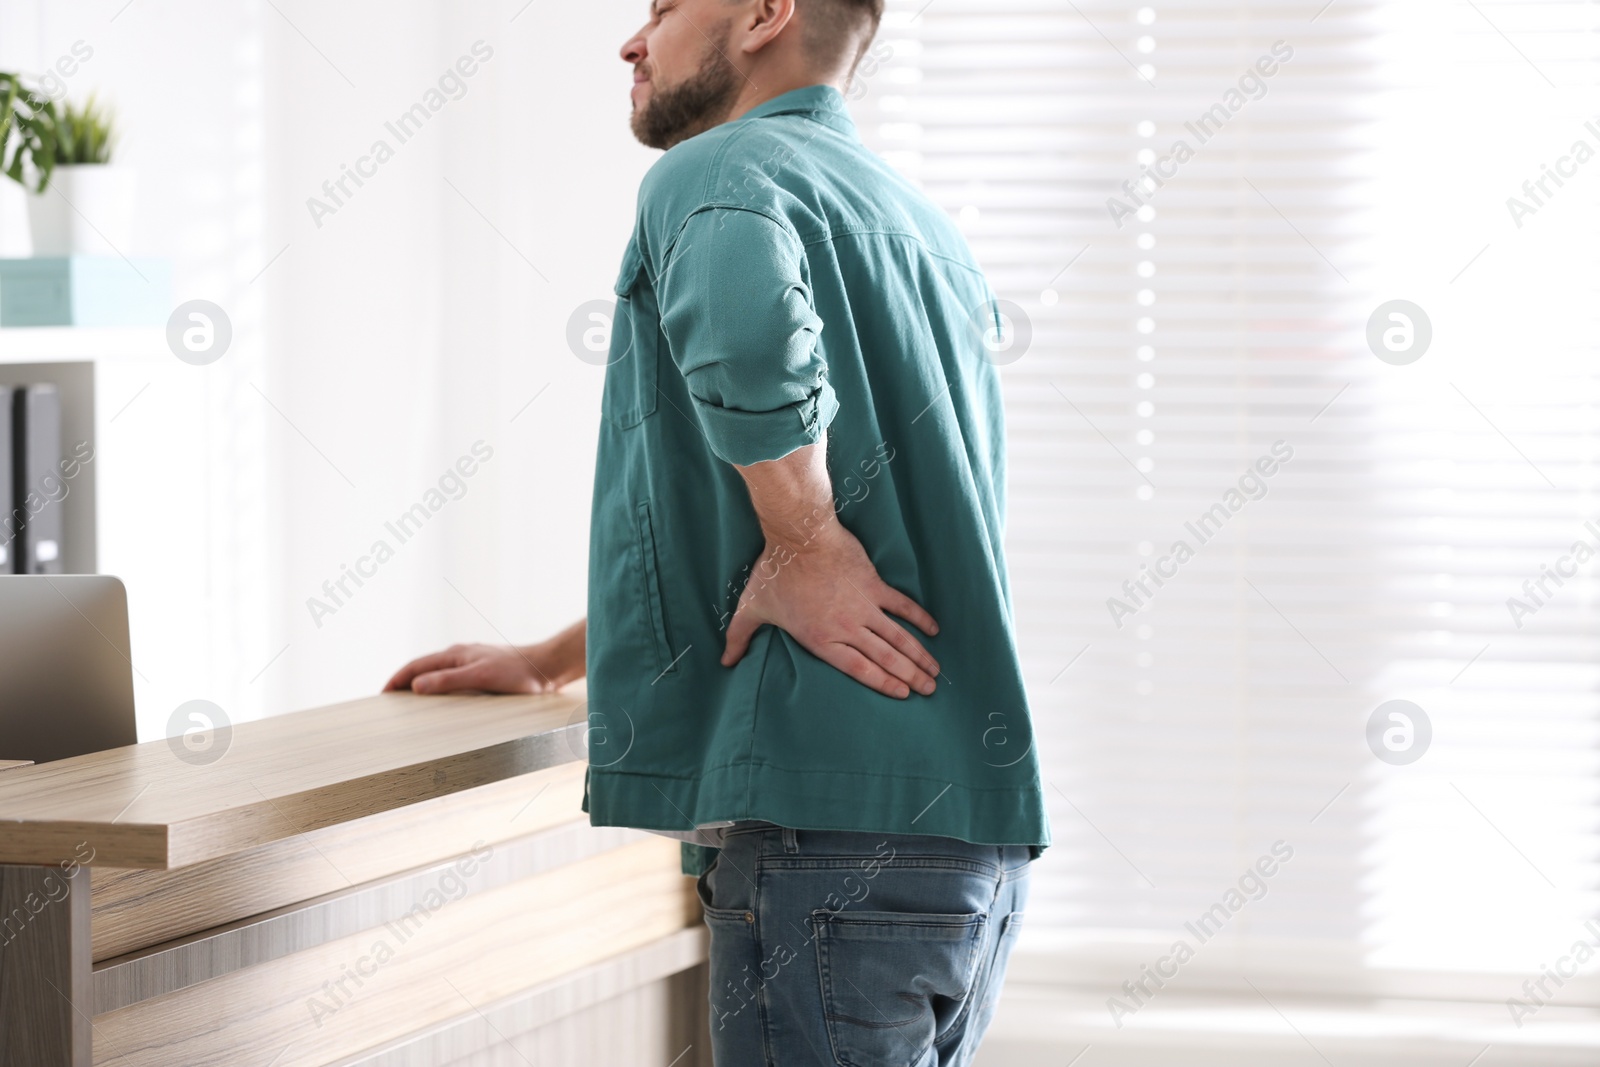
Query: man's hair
point(837, 32)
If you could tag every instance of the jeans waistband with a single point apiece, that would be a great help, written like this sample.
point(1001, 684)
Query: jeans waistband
point(771, 839)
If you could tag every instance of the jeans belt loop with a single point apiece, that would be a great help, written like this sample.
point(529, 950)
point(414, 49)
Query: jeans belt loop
point(791, 843)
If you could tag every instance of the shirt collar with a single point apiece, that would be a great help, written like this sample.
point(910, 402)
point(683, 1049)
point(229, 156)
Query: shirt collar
point(823, 103)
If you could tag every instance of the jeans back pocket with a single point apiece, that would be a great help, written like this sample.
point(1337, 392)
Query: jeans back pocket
point(893, 983)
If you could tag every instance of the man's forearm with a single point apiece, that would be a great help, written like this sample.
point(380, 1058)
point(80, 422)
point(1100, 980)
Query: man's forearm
point(793, 496)
point(565, 651)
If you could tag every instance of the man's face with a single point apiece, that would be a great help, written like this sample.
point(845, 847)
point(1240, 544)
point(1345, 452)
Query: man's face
point(683, 82)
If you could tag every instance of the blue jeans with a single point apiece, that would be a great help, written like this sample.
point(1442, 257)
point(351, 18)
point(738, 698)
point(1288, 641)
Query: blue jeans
point(834, 948)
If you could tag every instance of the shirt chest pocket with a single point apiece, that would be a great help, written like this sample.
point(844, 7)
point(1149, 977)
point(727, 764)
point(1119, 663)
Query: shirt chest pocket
point(629, 396)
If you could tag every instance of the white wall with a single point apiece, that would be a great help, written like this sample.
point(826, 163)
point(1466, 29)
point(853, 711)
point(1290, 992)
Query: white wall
point(376, 348)
point(410, 325)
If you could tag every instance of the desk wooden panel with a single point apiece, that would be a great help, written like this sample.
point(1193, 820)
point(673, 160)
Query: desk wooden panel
point(133, 909)
point(346, 996)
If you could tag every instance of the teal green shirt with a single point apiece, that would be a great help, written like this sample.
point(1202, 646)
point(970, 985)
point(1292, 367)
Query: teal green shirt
point(781, 281)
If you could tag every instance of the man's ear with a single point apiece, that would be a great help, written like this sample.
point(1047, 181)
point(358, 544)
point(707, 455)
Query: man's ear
point(763, 21)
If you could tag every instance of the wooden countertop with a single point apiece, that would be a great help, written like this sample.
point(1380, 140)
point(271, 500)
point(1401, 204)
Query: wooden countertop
point(144, 806)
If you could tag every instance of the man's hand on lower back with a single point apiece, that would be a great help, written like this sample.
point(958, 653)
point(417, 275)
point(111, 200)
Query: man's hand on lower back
point(826, 594)
point(538, 668)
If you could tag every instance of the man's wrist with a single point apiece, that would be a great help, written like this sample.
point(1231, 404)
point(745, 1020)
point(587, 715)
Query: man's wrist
point(562, 657)
point(809, 535)
point(547, 666)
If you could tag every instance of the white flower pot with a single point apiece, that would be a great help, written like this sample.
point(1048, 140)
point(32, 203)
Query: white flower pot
point(13, 220)
point(86, 210)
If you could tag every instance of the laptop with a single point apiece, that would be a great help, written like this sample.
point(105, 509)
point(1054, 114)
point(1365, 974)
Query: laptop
point(66, 677)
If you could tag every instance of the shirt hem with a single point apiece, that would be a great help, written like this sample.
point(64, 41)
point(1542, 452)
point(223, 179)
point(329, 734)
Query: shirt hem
point(821, 801)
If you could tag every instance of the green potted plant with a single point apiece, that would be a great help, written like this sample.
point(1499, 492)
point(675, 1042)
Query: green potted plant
point(80, 203)
point(27, 133)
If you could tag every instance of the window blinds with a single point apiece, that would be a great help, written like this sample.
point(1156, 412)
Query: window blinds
point(1238, 528)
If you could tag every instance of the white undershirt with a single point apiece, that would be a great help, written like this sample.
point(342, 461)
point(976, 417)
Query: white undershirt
point(707, 833)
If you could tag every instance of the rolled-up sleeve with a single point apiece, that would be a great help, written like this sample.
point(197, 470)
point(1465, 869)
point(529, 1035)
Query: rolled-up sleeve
point(738, 319)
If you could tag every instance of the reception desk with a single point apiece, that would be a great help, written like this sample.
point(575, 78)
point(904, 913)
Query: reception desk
point(397, 881)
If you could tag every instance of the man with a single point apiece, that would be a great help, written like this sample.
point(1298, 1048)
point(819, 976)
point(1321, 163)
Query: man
point(800, 470)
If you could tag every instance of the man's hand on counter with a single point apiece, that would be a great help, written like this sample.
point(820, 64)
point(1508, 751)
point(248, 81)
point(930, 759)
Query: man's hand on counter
point(538, 668)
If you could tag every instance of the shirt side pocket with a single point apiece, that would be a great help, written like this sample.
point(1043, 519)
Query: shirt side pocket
point(652, 591)
point(629, 396)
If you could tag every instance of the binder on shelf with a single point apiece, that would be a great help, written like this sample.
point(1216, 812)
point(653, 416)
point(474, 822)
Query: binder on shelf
point(10, 522)
point(85, 291)
point(38, 488)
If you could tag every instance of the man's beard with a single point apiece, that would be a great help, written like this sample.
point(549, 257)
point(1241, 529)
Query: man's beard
point(701, 101)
